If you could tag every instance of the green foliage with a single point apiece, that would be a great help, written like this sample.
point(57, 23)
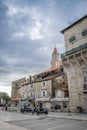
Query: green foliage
point(4, 96)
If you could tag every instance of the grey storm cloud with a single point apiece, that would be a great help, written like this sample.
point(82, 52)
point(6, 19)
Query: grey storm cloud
point(29, 31)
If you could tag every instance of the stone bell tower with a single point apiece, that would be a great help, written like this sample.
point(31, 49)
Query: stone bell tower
point(56, 60)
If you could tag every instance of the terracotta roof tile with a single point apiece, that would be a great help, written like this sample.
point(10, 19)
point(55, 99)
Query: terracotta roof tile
point(16, 98)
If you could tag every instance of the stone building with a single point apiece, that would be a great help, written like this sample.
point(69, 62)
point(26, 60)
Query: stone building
point(49, 87)
point(75, 63)
point(15, 93)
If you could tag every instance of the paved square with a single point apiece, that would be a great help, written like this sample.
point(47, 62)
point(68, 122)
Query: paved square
point(46, 123)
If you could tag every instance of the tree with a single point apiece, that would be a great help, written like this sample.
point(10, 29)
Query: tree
point(4, 96)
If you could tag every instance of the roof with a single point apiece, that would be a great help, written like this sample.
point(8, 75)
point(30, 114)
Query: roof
point(16, 98)
point(45, 79)
point(64, 88)
point(51, 69)
point(19, 80)
point(85, 16)
point(46, 74)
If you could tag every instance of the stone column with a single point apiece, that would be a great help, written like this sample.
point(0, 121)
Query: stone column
point(75, 85)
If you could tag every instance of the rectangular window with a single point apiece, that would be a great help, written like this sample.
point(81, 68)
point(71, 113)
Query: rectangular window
point(43, 93)
point(85, 87)
point(32, 85)
point(43, 83)
point(85, 76)
point(84, 33)
point(72, 39)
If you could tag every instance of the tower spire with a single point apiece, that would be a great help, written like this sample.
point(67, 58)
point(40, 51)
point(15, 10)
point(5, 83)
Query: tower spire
point(56, 61)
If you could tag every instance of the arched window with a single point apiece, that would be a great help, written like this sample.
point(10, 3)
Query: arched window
point(31, 94)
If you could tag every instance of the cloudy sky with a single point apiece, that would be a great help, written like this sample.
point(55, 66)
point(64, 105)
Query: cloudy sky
point(29, 31)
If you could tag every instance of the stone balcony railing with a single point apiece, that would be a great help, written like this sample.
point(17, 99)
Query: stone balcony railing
point(42, 99)
point(59, 99)
point(74, 53)
point(31, 98)
point(23, 98)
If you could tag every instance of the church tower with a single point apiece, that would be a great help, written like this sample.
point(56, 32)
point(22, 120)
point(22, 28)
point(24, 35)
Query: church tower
point(56, 60)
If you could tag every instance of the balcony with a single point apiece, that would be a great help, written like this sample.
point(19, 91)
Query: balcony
point(23, 98)
point(32, 89)
point(59, 99)
point(42, 99)
point(74, 50)
point(31, 98)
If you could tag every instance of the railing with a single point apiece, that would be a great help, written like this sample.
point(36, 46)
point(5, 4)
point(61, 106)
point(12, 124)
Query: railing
point(31, 97)
point(60, 99)
point(74, 50)
point(23, 98)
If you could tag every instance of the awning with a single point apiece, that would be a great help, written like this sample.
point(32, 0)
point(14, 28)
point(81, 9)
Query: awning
point(42, 99)
point(59, 99)
point(17, 98)
point(64, 88)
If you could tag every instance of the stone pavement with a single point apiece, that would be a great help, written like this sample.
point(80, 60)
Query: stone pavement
point(7, 126)
point(74, 116)
point(12, 116)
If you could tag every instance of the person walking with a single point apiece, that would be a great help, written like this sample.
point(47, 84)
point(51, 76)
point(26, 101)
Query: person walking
point(6, 107)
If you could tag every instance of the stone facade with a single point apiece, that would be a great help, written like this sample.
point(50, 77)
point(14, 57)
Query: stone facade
point(15, 93)
point(53, 87)
point(50, 87)
point(15, 87)
point(75, 63)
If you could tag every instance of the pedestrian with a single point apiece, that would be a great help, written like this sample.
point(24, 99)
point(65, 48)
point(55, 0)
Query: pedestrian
point(6, 106)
